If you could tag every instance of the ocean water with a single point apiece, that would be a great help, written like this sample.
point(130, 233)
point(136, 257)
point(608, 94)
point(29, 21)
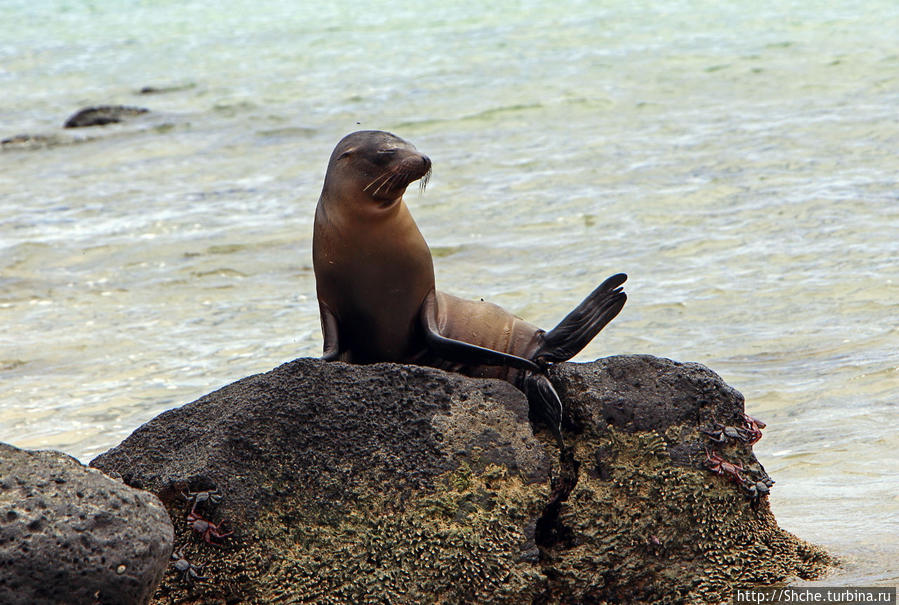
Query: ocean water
point(739, 163)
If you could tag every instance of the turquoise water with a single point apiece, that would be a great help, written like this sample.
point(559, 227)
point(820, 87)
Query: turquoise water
point(739, 164)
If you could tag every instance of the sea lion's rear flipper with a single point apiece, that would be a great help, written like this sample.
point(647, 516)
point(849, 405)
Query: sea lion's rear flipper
point(464, 352)
point(580, 326)
point(331, 347)
point(544, 403)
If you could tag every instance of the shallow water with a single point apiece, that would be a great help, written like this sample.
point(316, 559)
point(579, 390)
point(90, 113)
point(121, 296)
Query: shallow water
point(739, 166)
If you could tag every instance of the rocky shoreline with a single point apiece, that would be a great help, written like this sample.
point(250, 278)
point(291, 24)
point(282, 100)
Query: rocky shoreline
point(331, 483)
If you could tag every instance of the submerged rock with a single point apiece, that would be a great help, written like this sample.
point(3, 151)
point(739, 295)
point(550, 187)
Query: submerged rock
point(156, 90)
point(69, 534)
point(101, 115)
point(401, 483)
point(30, 141)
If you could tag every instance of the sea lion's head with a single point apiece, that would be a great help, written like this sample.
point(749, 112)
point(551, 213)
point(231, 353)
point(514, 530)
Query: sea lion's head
point(372, 165)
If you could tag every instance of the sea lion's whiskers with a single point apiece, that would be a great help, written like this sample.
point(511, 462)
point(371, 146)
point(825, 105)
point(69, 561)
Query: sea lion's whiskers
point(382, 183)
point(423, 183)
point(387, 174)
point(390, 182)
point(384, 175)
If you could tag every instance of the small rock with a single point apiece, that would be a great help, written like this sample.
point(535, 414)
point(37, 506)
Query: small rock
point(65, 528)
point(156, 90)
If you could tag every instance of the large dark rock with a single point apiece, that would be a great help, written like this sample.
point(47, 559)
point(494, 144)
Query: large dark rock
point(69, 534)
point(342, 482)
point(641, 393)
point(349, 484)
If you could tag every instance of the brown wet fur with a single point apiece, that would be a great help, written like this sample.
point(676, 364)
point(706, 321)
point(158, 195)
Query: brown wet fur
point(487, 325)
point(372, 266)
point(374, 269)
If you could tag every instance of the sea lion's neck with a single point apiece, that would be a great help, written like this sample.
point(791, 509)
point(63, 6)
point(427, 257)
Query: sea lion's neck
point(339, 213)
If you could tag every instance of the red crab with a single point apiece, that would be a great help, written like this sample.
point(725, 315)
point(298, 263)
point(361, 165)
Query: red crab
point(752, 428)
point(720, 466)
point(207, 529)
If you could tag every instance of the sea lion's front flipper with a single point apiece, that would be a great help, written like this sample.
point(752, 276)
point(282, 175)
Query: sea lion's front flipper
point(464, 352)
point(331, 349)
point(580, 326)
point(542, 396)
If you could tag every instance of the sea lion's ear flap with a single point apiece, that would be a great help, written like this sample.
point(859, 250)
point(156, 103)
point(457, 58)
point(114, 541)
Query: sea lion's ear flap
point(463, 352)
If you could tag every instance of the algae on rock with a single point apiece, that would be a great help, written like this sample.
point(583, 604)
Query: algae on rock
point(466, 540)
point(642, 529)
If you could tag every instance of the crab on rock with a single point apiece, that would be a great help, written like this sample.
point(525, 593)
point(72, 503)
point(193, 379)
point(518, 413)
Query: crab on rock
point(207, 529)
point(189, 572)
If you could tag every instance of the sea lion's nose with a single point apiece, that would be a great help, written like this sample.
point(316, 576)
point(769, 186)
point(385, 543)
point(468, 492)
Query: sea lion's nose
point(426, 161)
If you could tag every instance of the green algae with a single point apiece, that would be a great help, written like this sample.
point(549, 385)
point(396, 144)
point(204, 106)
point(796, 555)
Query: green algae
point(636, 527)
point(642, 529)
point(469, 539)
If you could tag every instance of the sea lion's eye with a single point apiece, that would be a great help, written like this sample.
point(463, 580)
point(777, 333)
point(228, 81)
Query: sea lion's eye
point(383, 156)
point(345, 154)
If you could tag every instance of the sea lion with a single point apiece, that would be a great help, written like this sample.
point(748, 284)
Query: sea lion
point(375, 283)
